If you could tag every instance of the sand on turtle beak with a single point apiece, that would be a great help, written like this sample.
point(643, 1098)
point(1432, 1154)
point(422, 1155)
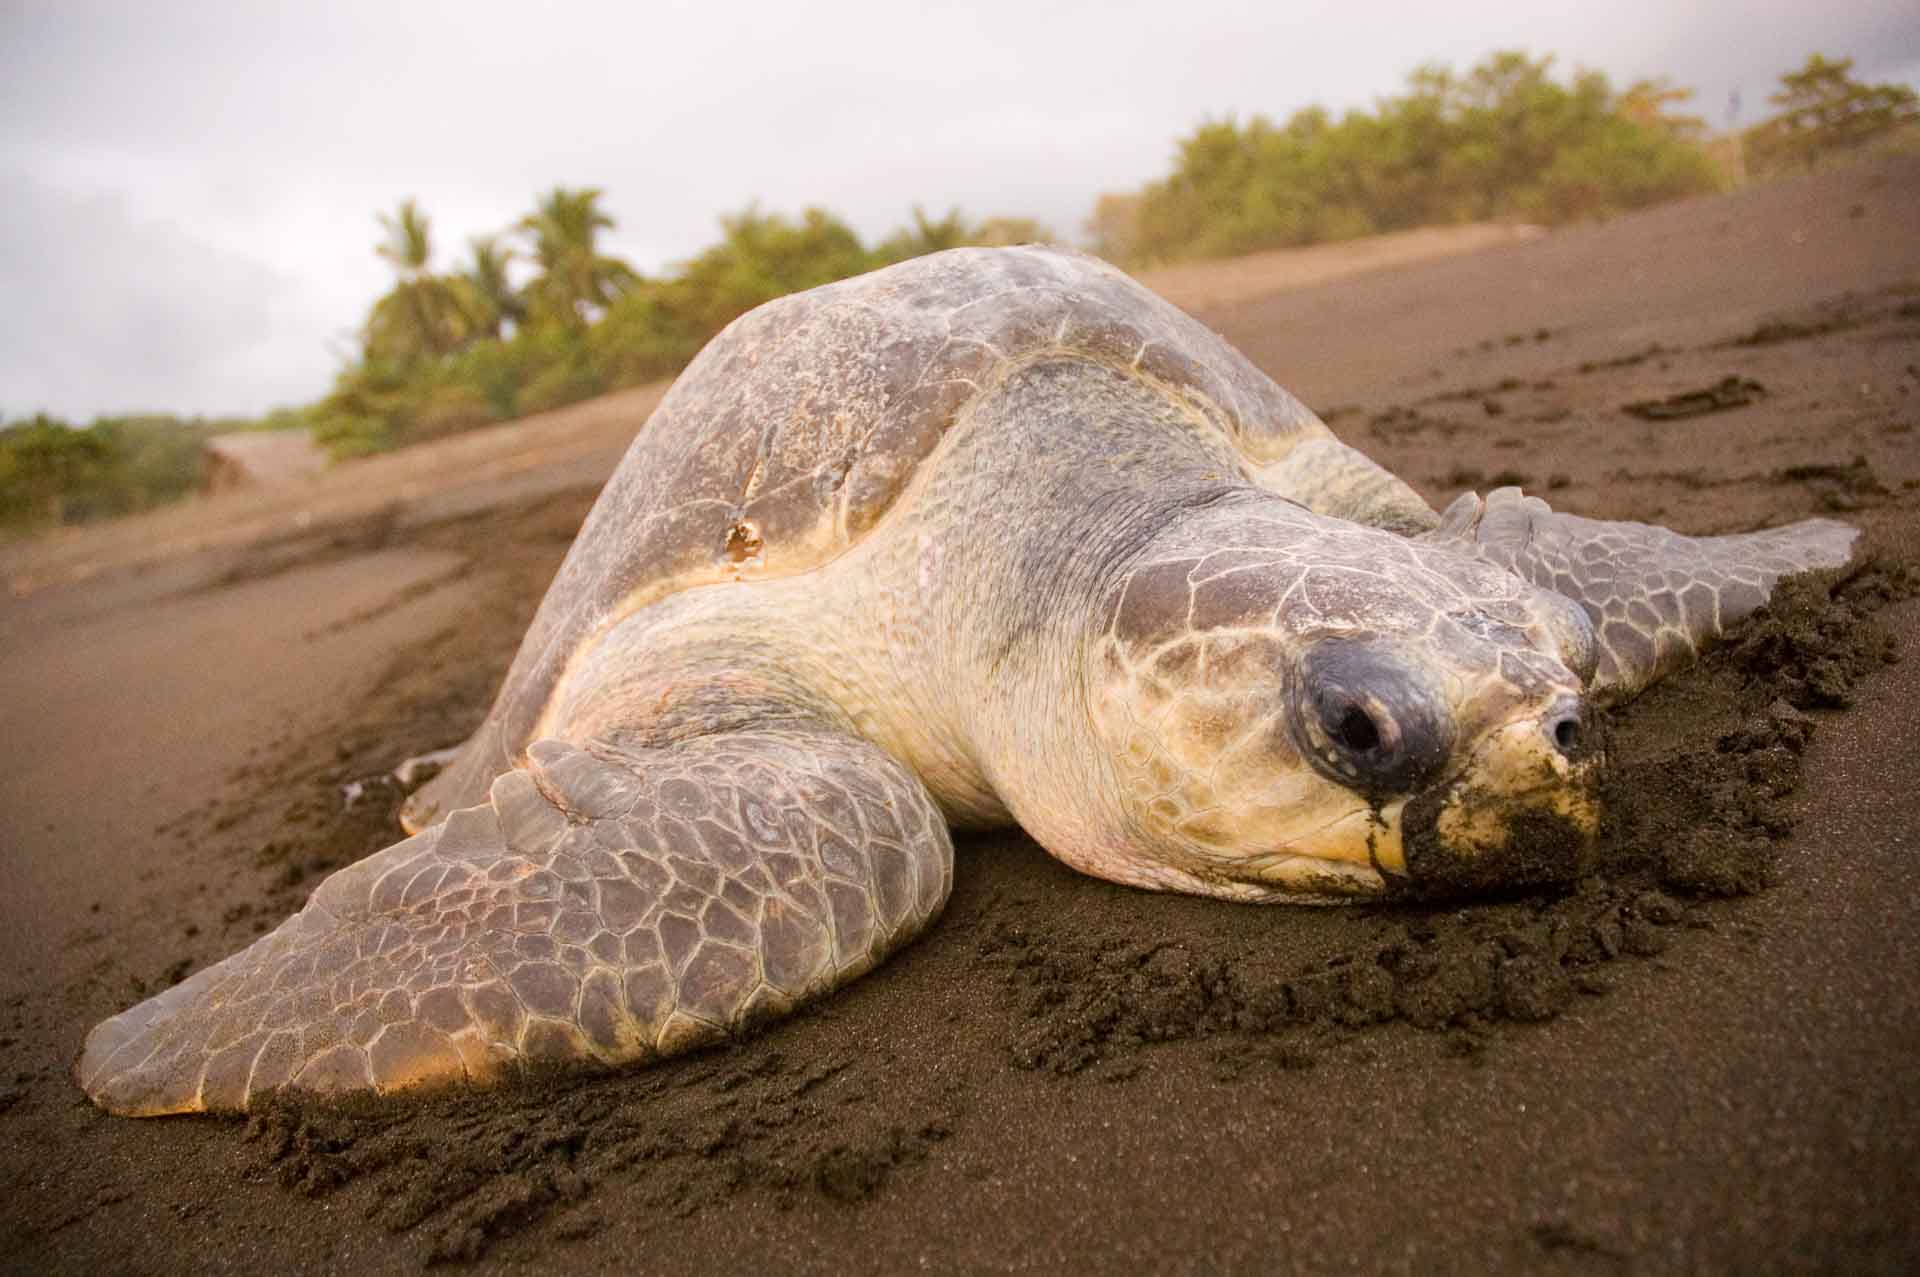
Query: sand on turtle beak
point(1523, 811)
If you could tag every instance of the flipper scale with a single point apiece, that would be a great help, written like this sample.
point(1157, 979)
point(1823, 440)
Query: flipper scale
point(565, 920)
point(1653, 596)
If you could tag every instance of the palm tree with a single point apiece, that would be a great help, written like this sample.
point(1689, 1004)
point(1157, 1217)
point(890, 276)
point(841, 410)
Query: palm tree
point(424, 315)
point(576, 282)
point(409, 243)
point(486, 277)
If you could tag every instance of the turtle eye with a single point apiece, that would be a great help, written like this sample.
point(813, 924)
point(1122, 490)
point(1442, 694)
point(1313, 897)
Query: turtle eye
point(1369, 721)
point(1364, 741)
point(1355, 731)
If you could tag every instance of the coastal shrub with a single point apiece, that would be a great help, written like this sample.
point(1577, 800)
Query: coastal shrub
point(1504, 140)
point(1826, 114)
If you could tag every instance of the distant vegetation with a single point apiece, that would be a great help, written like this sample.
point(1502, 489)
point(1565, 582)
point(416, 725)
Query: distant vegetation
point(1503, 140)
point(444, 352)
point(1825, 114)
point(52, 473)
point(538, 315)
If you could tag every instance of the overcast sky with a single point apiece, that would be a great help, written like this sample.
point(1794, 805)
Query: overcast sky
point(187, 190)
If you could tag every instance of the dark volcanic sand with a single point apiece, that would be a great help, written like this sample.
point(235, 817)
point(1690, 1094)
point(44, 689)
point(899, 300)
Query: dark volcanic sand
point(1702, 1058)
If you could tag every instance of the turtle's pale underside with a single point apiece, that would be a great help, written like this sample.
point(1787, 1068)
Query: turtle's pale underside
point(990, 537)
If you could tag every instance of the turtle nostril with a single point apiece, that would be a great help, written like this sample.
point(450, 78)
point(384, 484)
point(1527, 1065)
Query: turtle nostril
point(1566, 732)
point(1356, 731)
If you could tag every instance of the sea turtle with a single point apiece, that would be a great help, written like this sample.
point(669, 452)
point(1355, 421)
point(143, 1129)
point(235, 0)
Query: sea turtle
point(991, 536)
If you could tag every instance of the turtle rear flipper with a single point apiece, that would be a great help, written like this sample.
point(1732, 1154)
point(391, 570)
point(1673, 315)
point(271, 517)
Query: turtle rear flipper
point(604, 905)
point(460, 777)
point(1653, 596)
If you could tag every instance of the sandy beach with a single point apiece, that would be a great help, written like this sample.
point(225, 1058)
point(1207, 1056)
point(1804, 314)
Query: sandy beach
point(1703, 1058)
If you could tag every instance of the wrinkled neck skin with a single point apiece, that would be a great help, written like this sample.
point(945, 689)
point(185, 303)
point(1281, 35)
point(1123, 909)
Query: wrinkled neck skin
point(1152, 661)
point(1023, 595)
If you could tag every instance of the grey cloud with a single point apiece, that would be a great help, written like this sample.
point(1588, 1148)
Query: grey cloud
point(106, 312)
point(271, 132)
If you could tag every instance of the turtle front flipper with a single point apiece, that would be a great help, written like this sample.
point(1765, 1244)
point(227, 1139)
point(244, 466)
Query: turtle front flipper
point(604, 905)
point(1652, 596)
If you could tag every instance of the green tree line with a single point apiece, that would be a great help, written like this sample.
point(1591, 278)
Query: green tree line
point(1822, 113)
point(52, 473)
point(444, 352)
point(1503, 140)
point(539, 314)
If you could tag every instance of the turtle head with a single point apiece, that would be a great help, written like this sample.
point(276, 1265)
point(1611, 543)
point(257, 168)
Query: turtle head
point(1287, 705)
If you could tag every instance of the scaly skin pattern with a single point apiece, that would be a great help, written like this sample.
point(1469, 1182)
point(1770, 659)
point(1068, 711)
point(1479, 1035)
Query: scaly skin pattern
point(988, 537)
point(1239, 793)
point(1652, 595)
point(601, 907)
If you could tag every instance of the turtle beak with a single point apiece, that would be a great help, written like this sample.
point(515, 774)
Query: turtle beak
point(1523, 811)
